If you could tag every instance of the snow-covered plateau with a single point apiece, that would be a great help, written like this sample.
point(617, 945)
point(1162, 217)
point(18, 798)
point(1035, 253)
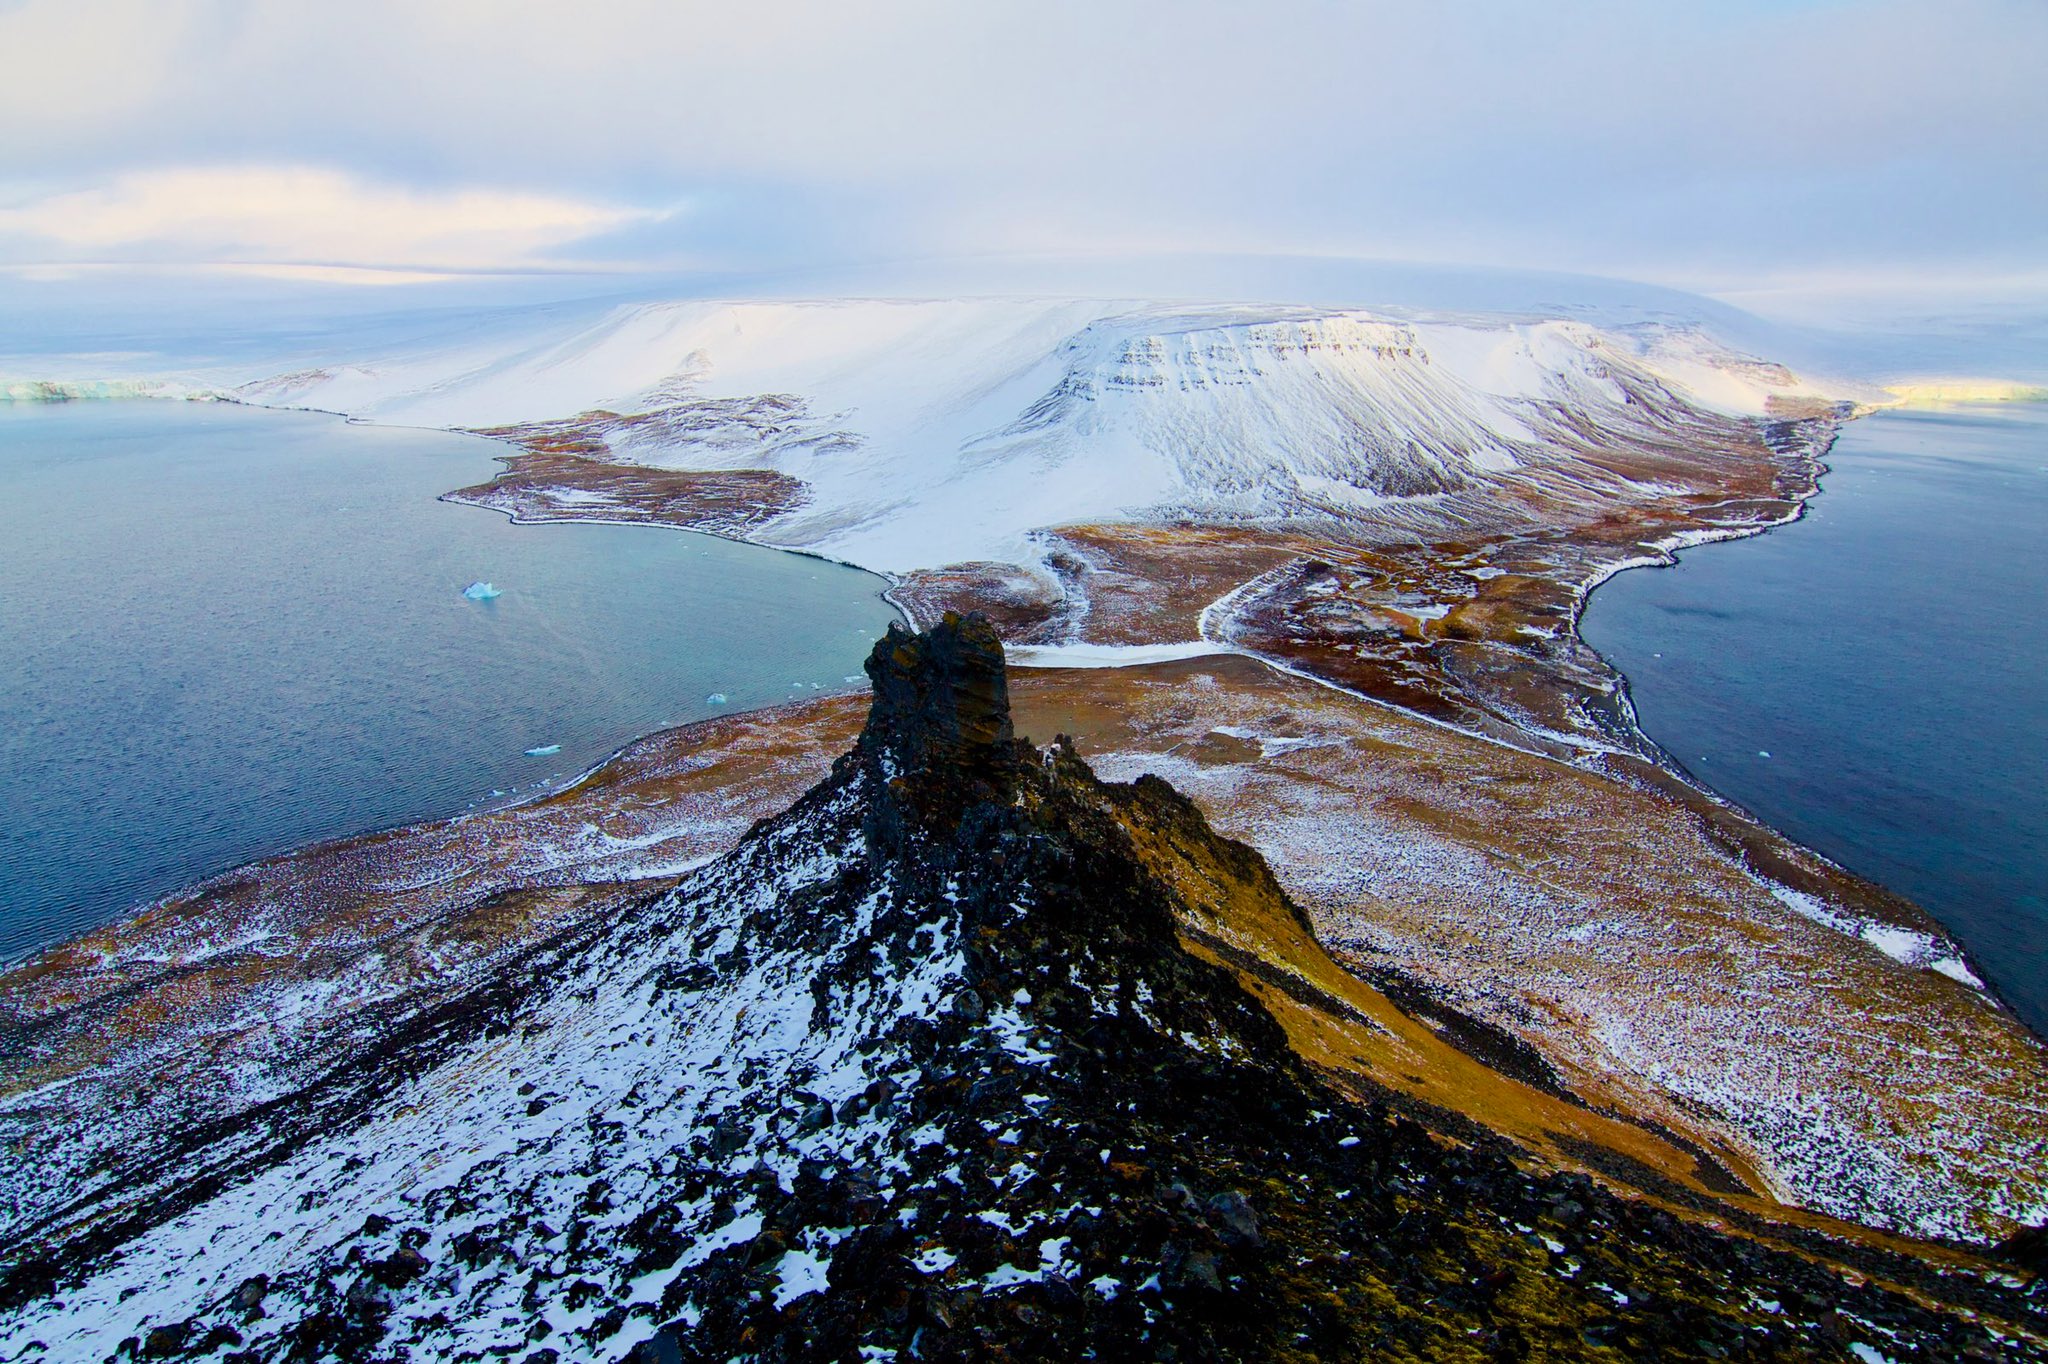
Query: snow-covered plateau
point(944, 431)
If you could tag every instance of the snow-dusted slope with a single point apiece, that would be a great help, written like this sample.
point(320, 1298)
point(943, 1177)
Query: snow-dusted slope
point(923, 1069)
point(935, 432)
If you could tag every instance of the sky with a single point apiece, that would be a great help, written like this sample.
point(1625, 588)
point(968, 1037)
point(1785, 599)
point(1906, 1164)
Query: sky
point(1733, 146)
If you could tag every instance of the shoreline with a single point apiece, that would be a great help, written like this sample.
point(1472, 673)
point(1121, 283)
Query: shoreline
point(477, 867)
point(202, 881)
point(1669, 556)
point(498, 877)
point(1663, 553)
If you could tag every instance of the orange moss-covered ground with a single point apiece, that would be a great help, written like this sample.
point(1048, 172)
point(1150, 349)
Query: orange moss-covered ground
point(1513, 914)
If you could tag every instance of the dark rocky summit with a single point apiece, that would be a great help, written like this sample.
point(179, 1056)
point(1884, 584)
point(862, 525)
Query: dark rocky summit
point(926, 1070)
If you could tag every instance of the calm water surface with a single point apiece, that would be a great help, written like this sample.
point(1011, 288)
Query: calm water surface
point(1889, 651)
point(227, 632)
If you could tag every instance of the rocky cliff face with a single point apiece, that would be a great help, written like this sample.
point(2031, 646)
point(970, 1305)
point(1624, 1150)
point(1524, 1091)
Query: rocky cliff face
point(925, 1069)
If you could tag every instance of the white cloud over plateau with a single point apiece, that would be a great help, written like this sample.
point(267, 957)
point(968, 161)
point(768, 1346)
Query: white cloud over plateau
point(1661, 138)
point(299, 215)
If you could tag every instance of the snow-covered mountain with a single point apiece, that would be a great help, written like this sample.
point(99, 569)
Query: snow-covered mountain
point(937, 432)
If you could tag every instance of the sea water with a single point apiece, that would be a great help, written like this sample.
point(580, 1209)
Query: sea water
point(228, 632)
point(1889, 653)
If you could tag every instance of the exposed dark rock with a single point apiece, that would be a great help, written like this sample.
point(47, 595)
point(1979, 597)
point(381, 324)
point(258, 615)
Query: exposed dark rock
point(1088, 1142)
point(2027, 1248)
point(1231, 1213)
point(938, 735)
point(165, 1342)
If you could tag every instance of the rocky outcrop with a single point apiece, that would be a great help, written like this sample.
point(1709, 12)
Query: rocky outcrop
point(939, 733)
point(923, 1070)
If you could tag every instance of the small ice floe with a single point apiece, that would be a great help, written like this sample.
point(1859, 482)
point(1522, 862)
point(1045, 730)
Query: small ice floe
point(481, 591)
point(716, 698)
point(545, 750)
point(1763, 753)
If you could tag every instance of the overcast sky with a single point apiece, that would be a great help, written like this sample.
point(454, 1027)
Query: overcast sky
point(1710, 145)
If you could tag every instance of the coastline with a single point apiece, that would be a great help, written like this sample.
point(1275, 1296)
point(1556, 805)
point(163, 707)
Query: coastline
point(1963, 960)
point(1261, 743)
point(463, 893)
point(436, 802)
point(1807, 459)
point(1051, 656)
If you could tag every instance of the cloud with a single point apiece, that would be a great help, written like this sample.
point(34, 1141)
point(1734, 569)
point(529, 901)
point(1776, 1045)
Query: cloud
point(301, 216)
point(1652, 136)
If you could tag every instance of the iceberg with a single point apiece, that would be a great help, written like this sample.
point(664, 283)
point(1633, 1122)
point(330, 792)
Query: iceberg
point(543, 751)
point(716, 698)
point(480, 591)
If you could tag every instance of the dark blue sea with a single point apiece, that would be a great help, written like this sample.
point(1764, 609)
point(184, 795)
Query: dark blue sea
point(1889, 652)
point(228, 632)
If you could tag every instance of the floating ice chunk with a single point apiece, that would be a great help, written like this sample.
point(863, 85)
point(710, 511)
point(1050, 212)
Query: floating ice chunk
point(543, 751)
point(716, 698)
point(1763, 753)
point(480, 591)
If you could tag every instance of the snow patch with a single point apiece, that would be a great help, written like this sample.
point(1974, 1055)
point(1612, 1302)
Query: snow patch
point(1109, 655)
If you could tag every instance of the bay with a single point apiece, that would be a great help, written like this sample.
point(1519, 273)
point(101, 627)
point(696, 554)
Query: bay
point(227, 632)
